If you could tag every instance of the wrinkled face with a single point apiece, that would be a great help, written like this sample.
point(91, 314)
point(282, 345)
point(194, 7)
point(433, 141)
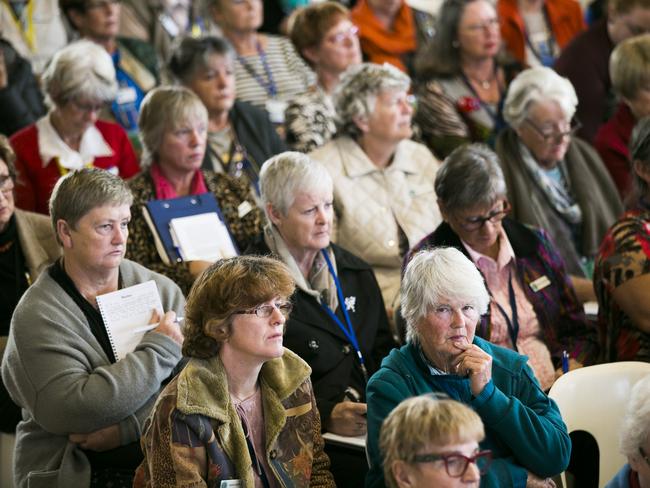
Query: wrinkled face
point(215, 85)
point(6, 196)
point(100, 21)
point(472, 227)
point(338, 50)
point(182, 149)
point(640, 104)
point(479, 36)
point(546, 132)
point(390, 120)
point(308, 223)
point(621, 26)
point(239, 15)
point(449, 322)
point(79, 114)
point(98, 242)
point(641, 465)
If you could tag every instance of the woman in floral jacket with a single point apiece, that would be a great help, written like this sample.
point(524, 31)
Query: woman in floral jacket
point(243, 409)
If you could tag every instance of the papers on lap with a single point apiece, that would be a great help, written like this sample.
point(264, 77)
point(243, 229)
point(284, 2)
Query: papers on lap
point(126, 313)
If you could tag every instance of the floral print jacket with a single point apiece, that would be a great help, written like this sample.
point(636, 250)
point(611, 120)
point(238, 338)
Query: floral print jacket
point(194, 436)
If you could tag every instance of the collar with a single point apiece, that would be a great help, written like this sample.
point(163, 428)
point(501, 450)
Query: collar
point(356, 163)
point(504, 258)
point(50, 146)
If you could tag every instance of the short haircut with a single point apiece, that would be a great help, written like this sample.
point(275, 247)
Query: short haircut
point(629, 66)
point(425, 422)
point(82, 69)
point(166, 108)
point(438, 274)
point(288, 173)
point(228, 286)
point(470, 177)
point(190, 55)
point(80, 191)
point(539, 84)
point(357, 91)
point(67, 5)
point(635, 427)
point(640, 154)
point(625, 6)
point(308, 25)
point(8, 155)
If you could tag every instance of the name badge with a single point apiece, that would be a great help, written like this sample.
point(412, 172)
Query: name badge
point(276, 109)
point(231, 484)
point(126, 94)
point(540, 283)
point(243, 208)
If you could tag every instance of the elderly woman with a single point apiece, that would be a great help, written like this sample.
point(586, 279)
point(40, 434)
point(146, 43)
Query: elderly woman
point(240, 136)
point(82, 408)
point(383, 182)
point(635, 440)
point(339, 324)
point(621, 270)
point(327, 40)
point(443, 297)
point(533, 308)
point(462, 83)
point(630, 74)
point(79, 81)
point(428, 442)
point(555, 181)
point(242, 412)
point(27, 246)
point(173, 127)
point(268, 71)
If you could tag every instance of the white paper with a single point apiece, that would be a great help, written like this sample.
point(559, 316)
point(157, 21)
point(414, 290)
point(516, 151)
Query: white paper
point(202, 237)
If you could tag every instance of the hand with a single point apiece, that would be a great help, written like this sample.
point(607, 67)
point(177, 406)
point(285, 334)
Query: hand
point(197, 267)
point(167, 326)
point(536, 482)
point(100, 440)
point(348, 418)
point(475, 363)
point(573, 364)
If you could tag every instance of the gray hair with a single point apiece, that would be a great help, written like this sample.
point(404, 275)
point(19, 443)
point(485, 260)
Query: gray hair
point(288, 173)
point(82, 69)
point(534, 85)
point(166, 108)
point(470, 177)
point(357, 91)
point(640, 153)
point(80, 191)
point(190, 55)
point(438, 274)
point(635, 427)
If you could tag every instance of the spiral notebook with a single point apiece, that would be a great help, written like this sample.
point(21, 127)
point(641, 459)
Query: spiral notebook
point(126, 313)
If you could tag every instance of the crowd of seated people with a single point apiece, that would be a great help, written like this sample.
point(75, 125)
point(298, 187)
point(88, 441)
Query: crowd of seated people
point(413, 278)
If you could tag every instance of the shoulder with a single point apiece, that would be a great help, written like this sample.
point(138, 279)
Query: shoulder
point(418, 153)
point(345, 259)
point(34, 220)
point(141, 187)
point(133, 273)
point(140, 49)
point(111, 131)
point(25, 137)
point(246, 110)
point(329, 153)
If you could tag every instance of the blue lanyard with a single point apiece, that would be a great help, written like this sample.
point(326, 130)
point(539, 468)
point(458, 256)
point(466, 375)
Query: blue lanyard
point(349, 330)
point(269, 85)
point(513, 325)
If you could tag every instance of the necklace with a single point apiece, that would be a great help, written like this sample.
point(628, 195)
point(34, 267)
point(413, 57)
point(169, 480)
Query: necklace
point(484, 84)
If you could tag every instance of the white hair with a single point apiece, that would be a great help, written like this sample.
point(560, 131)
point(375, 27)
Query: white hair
point(538, 84)
point(438, 274)
point(80, 69)
point(635, 427)
point(285, 175)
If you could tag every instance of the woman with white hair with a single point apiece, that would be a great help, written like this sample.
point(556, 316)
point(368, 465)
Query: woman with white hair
point(635, 440)
point(443, 297)
point(79, 82)
point(555, 181)
point(383, 182)
point(338, 324)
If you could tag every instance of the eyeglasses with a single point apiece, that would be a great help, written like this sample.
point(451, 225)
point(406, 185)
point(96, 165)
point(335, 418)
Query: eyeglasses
point(339, 37)
point(488, 24)
point(553, 135)
point(6, 184)
point(494, 217)
point(266, 310)
point(457, 464)
point(88, 107)
point(644, 456)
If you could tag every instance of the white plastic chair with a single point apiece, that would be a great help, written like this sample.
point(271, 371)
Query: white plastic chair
point(593, 399)
point(7, 443)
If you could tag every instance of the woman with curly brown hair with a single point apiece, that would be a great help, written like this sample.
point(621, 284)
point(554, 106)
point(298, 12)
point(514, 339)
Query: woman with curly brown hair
point(243, 409)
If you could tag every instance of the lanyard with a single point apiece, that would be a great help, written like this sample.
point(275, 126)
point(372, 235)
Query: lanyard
point(348, 330)
point(513, 325)
point(494, 116)
point(268, 85)
point(546, 59)
point(28, 31)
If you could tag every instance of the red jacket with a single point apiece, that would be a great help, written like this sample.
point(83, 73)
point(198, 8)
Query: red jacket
point(565, 18)
point(35, 181)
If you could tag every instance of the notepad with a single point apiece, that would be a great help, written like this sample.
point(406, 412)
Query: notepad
point(126, 312)
point(202, 237)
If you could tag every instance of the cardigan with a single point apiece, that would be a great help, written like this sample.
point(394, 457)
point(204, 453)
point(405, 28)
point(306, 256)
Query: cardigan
point(194, 436)
point(56, 370)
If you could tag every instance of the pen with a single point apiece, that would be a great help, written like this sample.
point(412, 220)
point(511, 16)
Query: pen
point(148, 327)
point(565, 362)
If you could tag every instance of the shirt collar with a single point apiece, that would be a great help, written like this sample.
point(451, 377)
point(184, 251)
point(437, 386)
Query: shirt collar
point(504, 258)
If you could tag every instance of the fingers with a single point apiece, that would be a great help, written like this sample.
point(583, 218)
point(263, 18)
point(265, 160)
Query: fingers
point(77, 438)
point(155, 317)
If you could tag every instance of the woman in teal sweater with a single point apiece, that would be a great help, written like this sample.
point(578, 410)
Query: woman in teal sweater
point(443, 297)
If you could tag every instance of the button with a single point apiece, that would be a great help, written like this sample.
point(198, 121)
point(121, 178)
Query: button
point(347, 349)
point(313, 345)
point(391, 243)
point(273, 454)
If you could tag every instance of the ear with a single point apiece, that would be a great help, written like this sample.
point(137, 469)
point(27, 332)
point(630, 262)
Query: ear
point(402, 474)
point(64, 231)
point(443, 210)
point(642, 170)
point(311, 53)
point(274, 215)
point(362, 123)
point(76, 18)
point(215, 12)
point(217, 329)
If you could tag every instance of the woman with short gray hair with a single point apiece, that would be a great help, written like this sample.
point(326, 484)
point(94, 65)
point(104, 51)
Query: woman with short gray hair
point(443, 297)
point(541, 322)
point(555, 181)
point(79, 81)
point(622, 264)
point(383, 181)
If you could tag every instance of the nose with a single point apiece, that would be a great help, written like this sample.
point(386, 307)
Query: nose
point(120, 234)
point(457, 318)
point(472, 474)
point(277, 317)
point(196, 137)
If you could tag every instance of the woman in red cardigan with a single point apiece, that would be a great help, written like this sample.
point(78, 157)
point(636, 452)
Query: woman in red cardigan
point(79, 82)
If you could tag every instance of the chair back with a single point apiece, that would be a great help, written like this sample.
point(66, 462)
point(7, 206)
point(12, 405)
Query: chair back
point(594, 399)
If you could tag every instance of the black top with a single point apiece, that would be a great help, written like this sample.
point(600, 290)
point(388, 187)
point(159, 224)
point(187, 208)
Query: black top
point(13, 277)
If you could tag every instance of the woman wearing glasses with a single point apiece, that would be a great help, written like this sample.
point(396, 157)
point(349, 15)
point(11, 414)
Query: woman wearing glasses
point(533, 307)
point(242, 412)
point(443, 298)
point(555, 181)
point(427, 441)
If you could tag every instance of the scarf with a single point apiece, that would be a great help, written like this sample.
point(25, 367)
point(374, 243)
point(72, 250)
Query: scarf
point(164, 188)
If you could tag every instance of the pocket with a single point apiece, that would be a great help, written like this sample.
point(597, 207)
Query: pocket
point(43, 479)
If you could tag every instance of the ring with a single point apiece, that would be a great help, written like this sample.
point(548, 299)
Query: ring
point(360, 425)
